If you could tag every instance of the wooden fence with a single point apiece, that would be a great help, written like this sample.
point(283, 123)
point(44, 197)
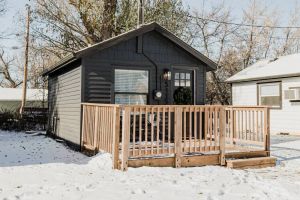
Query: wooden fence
point(147, 131)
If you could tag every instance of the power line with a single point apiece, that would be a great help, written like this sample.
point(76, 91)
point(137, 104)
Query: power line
point(246, 25)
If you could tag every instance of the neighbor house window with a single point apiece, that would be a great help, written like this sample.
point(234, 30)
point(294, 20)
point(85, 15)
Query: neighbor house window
point(131, 86)
point(269, 94)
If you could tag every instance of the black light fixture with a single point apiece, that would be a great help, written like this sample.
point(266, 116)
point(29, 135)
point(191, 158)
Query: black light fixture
point(167, 75)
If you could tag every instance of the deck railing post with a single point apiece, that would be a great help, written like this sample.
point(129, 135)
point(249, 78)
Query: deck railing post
point(178, 136)
point(125, 137)
point(116, 137)
point(83, 127)
point(222, 134)
point(96, 122)
point(267, 130)
point(232, 127)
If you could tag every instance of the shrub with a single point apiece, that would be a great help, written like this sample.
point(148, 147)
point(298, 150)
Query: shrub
point(12, 121)
point(183, 96)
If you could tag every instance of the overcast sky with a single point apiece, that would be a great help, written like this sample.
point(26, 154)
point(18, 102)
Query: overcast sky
point(16, 8)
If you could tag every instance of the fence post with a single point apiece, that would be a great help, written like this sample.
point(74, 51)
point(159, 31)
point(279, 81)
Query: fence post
point(83, 131)
point(222, 134)
point(267, 130)
point(96, 122)
point(116, 137)
point(232, 127)
point(178, 136)
point(125, 137)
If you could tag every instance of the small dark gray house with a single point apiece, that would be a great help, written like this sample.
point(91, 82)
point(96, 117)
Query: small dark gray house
point(142, 66)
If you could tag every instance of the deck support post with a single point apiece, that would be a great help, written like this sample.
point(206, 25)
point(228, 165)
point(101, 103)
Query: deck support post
point(116, 137)
point(267, 130)
point(232, 127)
point(125, 138)
point(222, 135)
point(178, 136)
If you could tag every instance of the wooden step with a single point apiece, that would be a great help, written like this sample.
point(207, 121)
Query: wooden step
point(260, 162)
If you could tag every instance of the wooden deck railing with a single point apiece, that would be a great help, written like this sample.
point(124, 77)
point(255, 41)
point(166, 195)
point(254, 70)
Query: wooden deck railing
point(101, 128)
point(248, 126)
point(139, 131)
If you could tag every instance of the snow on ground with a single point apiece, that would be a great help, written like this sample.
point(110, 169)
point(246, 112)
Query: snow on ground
point(37, 167)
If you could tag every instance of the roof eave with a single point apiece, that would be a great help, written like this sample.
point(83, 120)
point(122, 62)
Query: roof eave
point(65, 61)
point(264, 78)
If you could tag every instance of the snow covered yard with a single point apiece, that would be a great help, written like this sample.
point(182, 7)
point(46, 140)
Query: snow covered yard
point(37, 167)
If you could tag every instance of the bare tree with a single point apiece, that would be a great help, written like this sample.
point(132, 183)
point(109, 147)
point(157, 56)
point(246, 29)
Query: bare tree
point(6, 71)
point(233, 46)
point(213, 39)
point(64, 26)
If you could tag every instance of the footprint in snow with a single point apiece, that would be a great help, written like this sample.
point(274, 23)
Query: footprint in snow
point(221, 192)
point(209, 197)
point(90, 187)
point(138, 191)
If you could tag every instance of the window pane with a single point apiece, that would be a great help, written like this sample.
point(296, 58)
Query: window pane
point(269, 89)
point(176, 75)
point(182, 82)
point(188, 76)
point(188, 83)
point(182, 75)
point(131, 81)
point(176, 82)
point(130, 99)
point(270, 101)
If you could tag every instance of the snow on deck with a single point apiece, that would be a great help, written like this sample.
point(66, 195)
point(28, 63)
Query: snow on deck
point(37, 167)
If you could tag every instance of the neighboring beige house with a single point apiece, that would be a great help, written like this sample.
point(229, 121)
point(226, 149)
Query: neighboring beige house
point(275, 83)
point(10, 98)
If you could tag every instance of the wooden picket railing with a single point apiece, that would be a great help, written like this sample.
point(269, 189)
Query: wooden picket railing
point(248, 126)
point(150, 131)
point(101, 128)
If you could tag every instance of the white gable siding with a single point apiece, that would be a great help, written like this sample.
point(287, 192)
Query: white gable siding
point(286, 119)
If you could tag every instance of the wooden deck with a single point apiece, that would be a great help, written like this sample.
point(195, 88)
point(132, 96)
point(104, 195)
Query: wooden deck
point(178, 136)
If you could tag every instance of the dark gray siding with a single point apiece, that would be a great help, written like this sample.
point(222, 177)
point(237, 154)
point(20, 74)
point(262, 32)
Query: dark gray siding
point(99, 68)
point(64, 103)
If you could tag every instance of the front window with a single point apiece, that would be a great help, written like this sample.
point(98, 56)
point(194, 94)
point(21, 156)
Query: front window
point(269, 94)
point(131, 86)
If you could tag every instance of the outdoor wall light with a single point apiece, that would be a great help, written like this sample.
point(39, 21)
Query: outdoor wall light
point(167, 75)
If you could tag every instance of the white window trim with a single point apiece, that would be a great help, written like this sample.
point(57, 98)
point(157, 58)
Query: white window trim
point(279, 83)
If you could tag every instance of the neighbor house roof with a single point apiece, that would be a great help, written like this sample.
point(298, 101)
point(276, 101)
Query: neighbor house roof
point(15, 94)
point(283, 66)
point(125, 36)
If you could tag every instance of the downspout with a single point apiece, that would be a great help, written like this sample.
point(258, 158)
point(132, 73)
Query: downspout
point(153, 63)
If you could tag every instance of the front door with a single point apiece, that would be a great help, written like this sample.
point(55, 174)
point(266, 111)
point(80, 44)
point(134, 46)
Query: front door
point(183, 86)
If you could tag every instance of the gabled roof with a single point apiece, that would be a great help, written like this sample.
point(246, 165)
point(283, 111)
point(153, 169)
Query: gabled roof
point(283, 66)
point(125, 36)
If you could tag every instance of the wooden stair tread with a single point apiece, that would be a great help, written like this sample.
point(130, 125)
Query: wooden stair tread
point(259, 162)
